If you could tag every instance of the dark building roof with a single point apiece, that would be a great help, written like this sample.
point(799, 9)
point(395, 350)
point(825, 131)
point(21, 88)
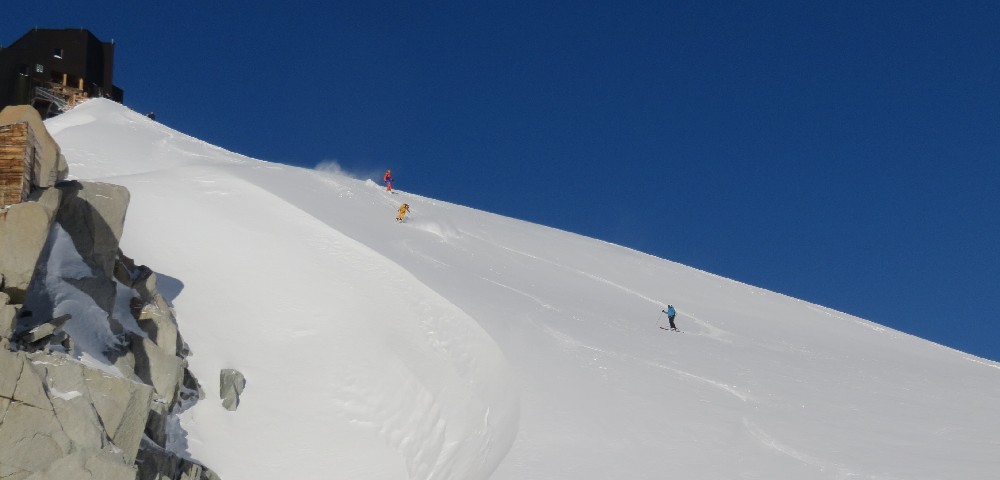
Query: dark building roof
point(53, 68)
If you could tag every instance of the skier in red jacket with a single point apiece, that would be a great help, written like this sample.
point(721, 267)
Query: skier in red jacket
point(387, 178)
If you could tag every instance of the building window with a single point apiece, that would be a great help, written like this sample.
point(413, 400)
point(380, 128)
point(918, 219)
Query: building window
point(23, 70)
point(39, 68)
point(58, 53)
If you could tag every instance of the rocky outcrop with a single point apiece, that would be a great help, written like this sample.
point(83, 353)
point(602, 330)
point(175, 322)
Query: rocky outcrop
point(156, 463)
point(8, 313)
point(151, 310)
point(158, 368)
point(58, 417)
point(62, 419)
point(93, 214)
point(43, 331)
point(24, 228)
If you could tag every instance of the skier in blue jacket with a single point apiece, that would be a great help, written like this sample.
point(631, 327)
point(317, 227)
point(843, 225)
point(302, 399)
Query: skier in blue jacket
point(671, 313)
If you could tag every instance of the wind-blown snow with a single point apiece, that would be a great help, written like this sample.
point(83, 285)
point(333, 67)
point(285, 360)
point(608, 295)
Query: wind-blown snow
point(89, 325)
point(464, 345)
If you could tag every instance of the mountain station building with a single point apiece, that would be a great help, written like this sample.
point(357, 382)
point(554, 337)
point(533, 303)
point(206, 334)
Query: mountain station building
point(55, 69)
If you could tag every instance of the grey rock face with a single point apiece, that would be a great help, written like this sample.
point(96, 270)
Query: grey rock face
point(49, 197)
point(150, 310)
point(122, 407)
point(62, 419)
point(157, 320)
point(231, 385)
point(79, 466)
point(31, 438)
point(8, 317)
point(157, 423)
point(165, 372)
point(20, 384)
point(94, 215)
point(24, 228)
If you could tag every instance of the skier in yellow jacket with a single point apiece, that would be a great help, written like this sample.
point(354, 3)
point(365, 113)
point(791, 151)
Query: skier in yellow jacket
point(403, 209)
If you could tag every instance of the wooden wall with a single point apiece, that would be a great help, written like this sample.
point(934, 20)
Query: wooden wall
point(17, 154)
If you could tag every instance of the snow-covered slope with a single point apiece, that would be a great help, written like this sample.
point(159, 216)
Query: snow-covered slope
point(464, 345)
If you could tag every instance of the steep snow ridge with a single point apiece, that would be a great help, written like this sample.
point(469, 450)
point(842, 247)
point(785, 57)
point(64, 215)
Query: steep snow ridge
point(111, 142)
point(378, 330)
point(350, 360)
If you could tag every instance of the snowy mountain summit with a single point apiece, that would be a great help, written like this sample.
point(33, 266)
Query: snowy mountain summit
point(464, 345)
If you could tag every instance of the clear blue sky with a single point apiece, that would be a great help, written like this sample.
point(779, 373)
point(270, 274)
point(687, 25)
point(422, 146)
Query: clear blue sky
point(844, 153)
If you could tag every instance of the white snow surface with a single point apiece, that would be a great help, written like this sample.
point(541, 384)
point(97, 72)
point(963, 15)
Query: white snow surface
point(465, 345)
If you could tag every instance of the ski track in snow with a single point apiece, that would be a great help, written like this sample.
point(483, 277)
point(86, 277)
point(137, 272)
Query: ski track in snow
point(712, 331)
point(571, 269)
point(827, 468)
point(424, 256)
point(569, 340)
point(525, 294)
point(744, 397)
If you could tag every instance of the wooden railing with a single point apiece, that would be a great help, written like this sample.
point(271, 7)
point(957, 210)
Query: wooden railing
point(62, 96)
